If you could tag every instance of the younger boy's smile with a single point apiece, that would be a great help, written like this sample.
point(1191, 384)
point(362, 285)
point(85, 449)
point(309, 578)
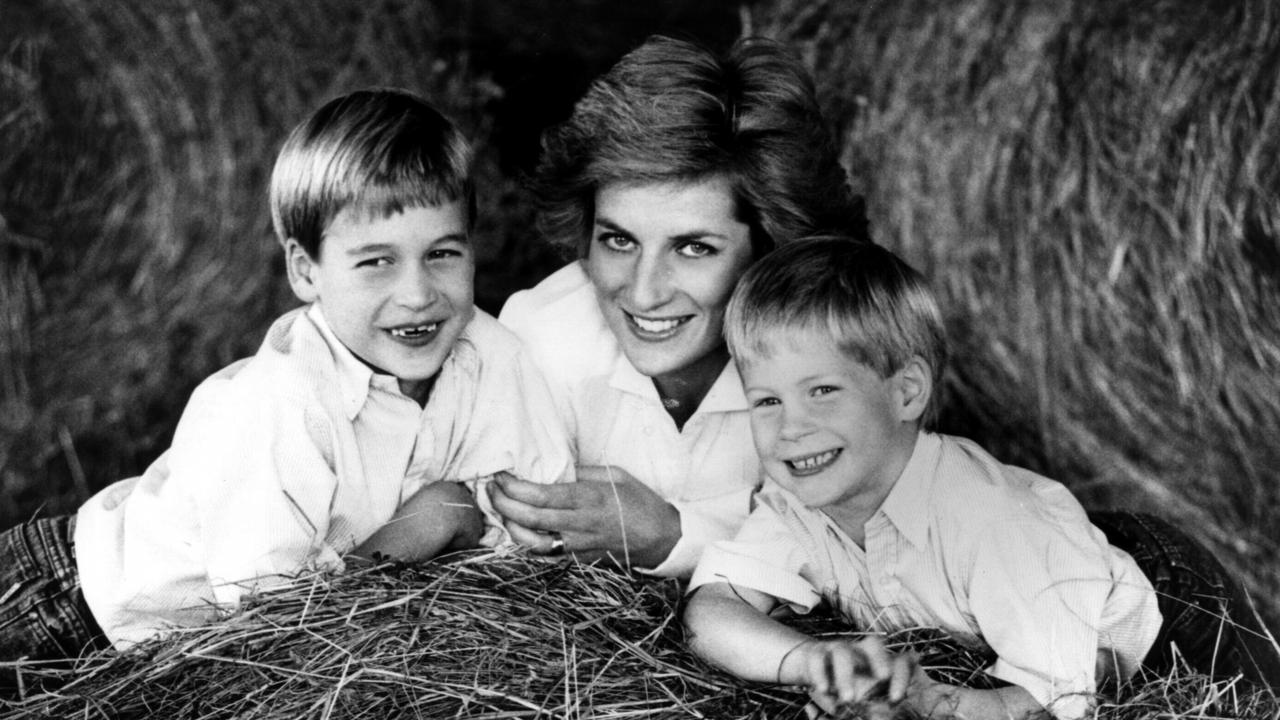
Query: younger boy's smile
point(812, 464)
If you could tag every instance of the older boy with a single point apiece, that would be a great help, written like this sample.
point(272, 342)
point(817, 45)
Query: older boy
point(371, 400)
point(840, 346)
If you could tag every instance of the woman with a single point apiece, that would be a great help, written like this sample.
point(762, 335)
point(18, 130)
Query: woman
point(677, 169)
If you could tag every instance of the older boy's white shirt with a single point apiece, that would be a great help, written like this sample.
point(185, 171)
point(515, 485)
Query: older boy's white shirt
point(290, 459)
point(968, 545)
point(614, 416)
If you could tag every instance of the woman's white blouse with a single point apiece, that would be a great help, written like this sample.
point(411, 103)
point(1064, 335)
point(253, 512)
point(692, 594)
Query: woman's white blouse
point(707, 470)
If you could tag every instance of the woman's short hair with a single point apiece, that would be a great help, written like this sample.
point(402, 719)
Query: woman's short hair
point(876, 309)
point(673, 111)
point(379, 150)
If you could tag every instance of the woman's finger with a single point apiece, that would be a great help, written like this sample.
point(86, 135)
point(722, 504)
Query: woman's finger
point(556, 495)
point(537, 542)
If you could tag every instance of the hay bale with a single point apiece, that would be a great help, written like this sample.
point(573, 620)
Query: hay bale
point(480, 636)
point(1093, 189)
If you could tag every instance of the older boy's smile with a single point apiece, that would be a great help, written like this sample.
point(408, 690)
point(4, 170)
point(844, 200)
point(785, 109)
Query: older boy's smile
point(415, 334)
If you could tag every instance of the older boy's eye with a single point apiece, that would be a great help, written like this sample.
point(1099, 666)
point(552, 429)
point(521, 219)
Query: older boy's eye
point(374, 262)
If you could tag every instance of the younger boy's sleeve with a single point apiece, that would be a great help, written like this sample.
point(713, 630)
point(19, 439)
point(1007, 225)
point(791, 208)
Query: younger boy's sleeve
point(1038, 600)
point(764, 556)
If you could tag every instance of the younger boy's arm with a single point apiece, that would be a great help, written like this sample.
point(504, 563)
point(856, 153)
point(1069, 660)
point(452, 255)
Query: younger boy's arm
point(441, 516)
point(729, 628)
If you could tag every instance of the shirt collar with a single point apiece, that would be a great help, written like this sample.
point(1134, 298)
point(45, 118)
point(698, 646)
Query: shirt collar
point(905, 506)
point(725, 395)
point(354, 377)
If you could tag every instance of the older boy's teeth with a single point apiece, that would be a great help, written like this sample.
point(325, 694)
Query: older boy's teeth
point(416, 331)
point(654, 326)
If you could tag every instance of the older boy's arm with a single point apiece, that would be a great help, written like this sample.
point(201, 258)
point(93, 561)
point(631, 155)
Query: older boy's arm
point(935, 700)
point(441, 516)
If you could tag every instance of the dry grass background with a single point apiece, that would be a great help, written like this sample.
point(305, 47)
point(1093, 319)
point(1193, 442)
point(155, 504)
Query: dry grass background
point(1092, 187)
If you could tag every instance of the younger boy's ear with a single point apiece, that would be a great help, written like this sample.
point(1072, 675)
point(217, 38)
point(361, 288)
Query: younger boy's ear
point(302, 271)
point(915, 387)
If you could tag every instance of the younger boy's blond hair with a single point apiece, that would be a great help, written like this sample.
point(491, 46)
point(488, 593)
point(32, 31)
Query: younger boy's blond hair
point(380, 151)
point(876, 308)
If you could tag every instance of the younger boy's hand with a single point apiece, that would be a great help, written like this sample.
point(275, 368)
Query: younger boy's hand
point(842, 673)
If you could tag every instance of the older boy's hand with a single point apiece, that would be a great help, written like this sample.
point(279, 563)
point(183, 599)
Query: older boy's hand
point(843, 673)
point(607, 514)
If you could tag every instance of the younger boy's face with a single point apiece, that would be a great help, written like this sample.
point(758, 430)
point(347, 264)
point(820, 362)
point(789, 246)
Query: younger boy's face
point(829, 429)
point(397, 291)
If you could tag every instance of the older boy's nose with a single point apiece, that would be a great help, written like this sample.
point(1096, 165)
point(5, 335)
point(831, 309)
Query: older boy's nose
point(650, 282)
point(415, 289)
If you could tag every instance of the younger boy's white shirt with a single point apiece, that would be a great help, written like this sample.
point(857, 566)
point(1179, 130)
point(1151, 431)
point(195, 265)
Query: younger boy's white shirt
point(985, 551)
point(706, 470)
point(290, 459)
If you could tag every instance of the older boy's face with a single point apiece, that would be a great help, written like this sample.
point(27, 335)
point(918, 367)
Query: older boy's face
point(397, 291)
point(829, 429)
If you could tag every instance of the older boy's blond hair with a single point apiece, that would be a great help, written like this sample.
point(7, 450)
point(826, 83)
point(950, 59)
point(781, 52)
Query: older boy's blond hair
point(379, 151)
point(876, 308)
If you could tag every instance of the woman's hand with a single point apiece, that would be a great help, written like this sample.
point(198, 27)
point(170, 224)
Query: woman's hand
point(606, 514)
point(843, 673)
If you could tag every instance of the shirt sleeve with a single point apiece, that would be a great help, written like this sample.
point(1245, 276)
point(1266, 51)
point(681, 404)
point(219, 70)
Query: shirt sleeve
point(260, 475)
point(764, 556)
point(1037, 596)
point(703, 522)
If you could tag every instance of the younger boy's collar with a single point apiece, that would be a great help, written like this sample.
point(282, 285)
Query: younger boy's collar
point(354, 376)
point(907, 501)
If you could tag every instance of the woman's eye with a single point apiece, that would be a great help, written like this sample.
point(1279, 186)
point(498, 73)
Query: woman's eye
point(615, 241)
point(444, 254)
point(696, 249)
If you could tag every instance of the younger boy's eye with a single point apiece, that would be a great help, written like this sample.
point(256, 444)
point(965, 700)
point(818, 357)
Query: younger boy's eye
point(824, 389)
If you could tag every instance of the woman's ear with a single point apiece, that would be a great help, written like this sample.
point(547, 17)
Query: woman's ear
point(302, 271)
point(915, 386)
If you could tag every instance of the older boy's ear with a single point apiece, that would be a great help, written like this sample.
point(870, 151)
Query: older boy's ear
point(302, 271)
point(915, 387)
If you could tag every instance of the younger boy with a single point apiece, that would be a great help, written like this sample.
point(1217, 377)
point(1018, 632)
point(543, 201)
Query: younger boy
point(840, 346)
point(373, 400)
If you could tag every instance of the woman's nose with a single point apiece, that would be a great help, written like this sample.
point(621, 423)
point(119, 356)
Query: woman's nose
point(650, 282)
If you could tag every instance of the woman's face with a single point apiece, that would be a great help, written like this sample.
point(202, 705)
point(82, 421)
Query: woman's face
point(664, 259)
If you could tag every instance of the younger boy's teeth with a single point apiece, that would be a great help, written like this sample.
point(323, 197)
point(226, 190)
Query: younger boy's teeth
point(814, 461)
